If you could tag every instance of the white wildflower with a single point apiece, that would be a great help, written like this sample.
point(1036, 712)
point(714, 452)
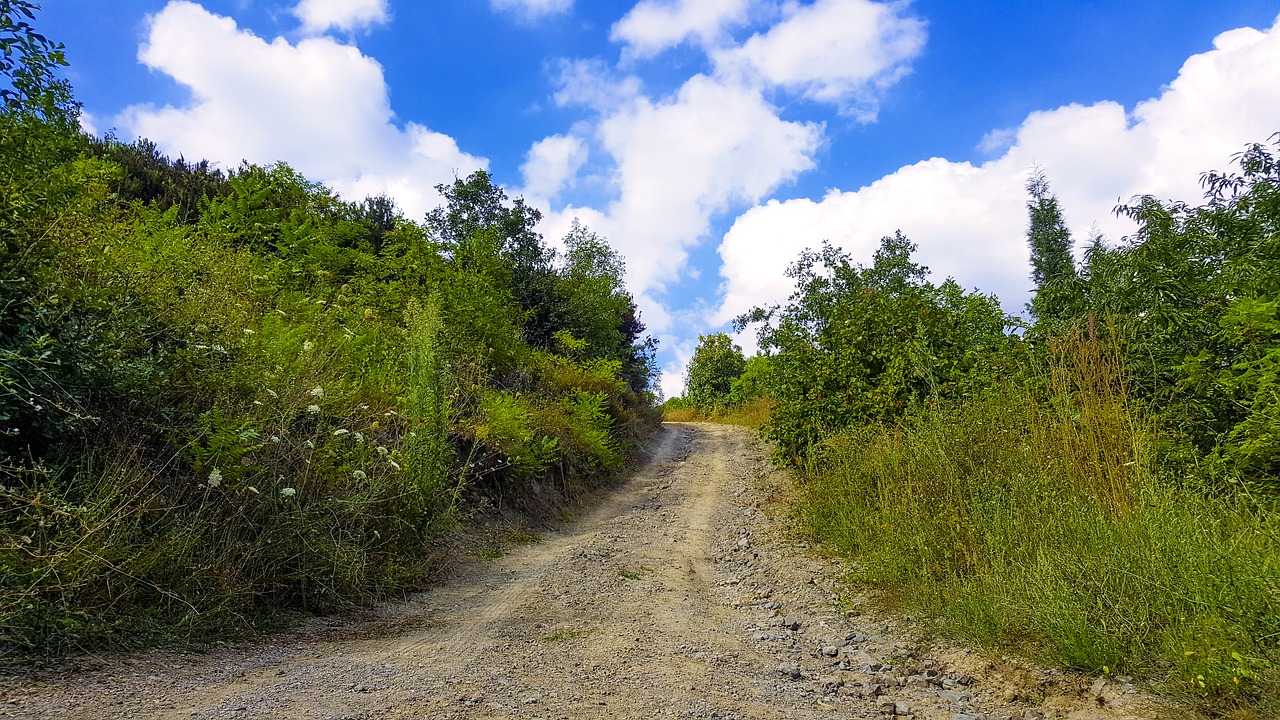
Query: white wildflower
point(275, 438)
point(394, 464)
point(287, 492)
point(317, 391)
point(307, 345)
point(215, 478)
point(257, 402)
point(359, 475)
point(252, 489)
point(248, 331)
point(341, 431)
point(313, 409)
point(359, 437)
point(310, 444)
point(381, 450)
point(272, 393)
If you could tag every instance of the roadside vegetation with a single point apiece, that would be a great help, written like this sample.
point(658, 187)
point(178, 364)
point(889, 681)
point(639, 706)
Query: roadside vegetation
point(224, 395)
point(1095, 486)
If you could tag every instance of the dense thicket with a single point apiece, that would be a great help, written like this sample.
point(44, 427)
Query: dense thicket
point(223, 394)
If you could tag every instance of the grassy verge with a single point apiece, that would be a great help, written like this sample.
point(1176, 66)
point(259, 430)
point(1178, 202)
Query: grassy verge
point(1041, 523)
point(752, 414)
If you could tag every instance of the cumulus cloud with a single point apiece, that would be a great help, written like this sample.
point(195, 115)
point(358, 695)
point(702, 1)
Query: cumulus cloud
point(672, 164)
point(839, 51)
point(317, 16)
point(532, 9)
point(655, 25)
point(678, 161)
point(319, 105)
point(970, 220)
point(551, 165)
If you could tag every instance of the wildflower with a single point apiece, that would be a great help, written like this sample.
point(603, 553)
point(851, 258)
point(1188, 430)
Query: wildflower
point(317, 391)
point(359, 475)
point(310, 444)
point(287, 492)
point(275, 438)
point(272, 393)
point(248, 331)
point(359, 437)
point(341, 431)
point(313, 409)
point(215, 478)
point(252, 489)
point(307, 345)
point(257, 402)
point(394, 464)
point(381, 450)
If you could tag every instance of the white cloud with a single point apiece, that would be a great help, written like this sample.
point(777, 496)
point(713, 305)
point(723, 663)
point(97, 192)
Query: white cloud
point(317, 16)
point(532, 9)
point(679, 161)
point(655, 25)
point(319, 105)
point(842, 51)
point(592, 84)
point(551, 165)
point(970, 220)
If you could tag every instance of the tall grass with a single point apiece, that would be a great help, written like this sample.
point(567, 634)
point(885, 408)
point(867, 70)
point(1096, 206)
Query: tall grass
point(752, 414)
point(1035, 517)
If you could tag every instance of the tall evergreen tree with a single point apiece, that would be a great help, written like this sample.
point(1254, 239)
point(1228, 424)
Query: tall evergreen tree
point(1052, 268)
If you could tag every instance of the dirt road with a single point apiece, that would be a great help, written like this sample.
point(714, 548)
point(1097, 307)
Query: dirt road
point(677, 596)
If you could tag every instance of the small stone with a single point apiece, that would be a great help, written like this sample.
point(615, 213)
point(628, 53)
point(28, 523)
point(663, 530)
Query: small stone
point(1098, 685)
point(875, 690)
point(831, 651)
point(831, 684)
point(855, 638)
point(954, 695)
point(532, 699)
point(792, 623)
point(965, 680)
point(901, 708)
point(888, 708)
point(790, 670)
point(965, 716)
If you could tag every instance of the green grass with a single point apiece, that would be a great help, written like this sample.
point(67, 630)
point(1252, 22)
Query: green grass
point(1042, 523)
point(752, 414)
point(633, 573)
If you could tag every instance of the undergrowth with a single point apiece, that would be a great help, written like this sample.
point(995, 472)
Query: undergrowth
point(1036, 516)
point(752, 414)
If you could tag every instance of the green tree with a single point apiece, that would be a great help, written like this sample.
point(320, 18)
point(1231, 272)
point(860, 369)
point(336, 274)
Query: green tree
point(862, 344)
point(715, 365)
point(1195, 293)
point(1052, 268)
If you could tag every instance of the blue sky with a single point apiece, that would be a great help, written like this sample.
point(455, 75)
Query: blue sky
point(709, 140)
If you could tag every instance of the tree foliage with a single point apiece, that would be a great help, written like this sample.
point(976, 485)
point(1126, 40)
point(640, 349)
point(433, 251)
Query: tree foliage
point(712, 371)
point(860, 344)
point(1053, 268)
